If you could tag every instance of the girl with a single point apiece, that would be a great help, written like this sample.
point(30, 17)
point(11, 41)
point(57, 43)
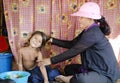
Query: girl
point(98, 58)
point(29, 57)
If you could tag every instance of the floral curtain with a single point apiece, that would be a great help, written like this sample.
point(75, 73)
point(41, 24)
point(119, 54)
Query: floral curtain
point(53, 18)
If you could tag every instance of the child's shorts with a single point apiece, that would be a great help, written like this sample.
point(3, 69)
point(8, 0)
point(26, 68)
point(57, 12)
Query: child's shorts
point(37, 77)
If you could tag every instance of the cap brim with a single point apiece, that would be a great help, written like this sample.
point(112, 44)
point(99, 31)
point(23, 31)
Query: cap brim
point(75, 14)
point(87, 15)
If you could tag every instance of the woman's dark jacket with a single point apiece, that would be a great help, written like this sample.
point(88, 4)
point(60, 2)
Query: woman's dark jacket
point(95, 49)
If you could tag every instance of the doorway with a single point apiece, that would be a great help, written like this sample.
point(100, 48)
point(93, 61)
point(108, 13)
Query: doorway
point(3, 30)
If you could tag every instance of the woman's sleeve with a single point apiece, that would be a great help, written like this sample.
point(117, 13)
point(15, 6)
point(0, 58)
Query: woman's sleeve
point(86, 40)
point(66, 43)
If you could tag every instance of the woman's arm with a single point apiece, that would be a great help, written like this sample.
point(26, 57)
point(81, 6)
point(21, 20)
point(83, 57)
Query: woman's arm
point(66, 43)
point(87, 40)
point(78, 48)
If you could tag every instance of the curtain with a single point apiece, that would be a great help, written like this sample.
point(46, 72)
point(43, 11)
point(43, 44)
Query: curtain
point(53, 18)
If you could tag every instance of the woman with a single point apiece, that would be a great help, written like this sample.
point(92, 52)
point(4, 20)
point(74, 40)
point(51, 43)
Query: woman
point(96, 52)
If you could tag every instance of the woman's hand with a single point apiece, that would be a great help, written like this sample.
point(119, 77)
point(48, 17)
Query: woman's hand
point(45, 61)
point(40, 63)
point(50, 41)
point(46, 81)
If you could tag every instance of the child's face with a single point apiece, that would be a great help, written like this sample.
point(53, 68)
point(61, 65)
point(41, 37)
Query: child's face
point(36, 41)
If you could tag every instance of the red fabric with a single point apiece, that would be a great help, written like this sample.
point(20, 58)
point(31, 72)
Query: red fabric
point(3, 44)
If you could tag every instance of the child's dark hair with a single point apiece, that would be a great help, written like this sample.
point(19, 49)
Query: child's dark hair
point(105, 28)
point(45, 38)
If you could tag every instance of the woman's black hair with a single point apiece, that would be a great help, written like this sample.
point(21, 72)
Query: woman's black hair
point(105, 28)
point(45, 38)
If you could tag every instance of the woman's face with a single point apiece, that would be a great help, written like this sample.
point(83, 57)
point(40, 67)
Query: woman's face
point(85, 22)
point(36, 41)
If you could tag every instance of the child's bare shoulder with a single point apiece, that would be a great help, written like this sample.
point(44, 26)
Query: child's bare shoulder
point(22, 49)
point(39, 56)
point(39, 53)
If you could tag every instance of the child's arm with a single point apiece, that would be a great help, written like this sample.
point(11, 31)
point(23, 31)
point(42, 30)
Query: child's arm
point(20, 64)
point(42, 68)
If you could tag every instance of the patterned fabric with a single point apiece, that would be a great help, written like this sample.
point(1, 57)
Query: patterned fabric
point(53, 18)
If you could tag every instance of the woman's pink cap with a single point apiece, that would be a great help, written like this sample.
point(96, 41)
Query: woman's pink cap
point(89, 10)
